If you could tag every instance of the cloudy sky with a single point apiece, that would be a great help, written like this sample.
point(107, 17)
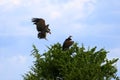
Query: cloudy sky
point(91, 22)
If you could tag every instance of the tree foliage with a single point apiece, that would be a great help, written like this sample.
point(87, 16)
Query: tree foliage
point(77, 63)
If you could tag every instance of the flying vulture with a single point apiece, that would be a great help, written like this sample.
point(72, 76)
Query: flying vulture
point(41, 27)
point(67, 43)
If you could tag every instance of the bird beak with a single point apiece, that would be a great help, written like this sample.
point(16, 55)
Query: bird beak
point(70, 36)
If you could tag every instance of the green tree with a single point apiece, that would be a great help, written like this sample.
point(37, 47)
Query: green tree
point(77, 63)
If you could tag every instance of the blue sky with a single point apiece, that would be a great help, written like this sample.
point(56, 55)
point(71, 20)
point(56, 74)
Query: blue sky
point(91, 22)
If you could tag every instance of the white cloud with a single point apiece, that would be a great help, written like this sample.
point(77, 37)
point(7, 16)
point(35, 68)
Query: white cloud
point(71, 8)
point(13, 67)
point(18, 59)
point(12, 2)
point(66, 12)
point(18, 31)
point(12, 60)
point(74, 9)
point(8, 5)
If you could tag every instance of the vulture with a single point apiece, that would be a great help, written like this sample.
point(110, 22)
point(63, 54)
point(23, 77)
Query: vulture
point(41, 27)
point(67, 43)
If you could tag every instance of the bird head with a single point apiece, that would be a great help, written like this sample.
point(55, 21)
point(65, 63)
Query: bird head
point(69, 38)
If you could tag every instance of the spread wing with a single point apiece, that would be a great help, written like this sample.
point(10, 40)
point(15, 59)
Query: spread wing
point(40, 23)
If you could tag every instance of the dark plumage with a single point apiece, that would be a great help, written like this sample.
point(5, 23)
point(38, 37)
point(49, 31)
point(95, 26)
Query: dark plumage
point(41, 27)
point(42, 35)
point(67, 43)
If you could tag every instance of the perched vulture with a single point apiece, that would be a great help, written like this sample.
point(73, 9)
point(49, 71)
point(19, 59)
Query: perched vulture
point(41, 27)
point(67, 43)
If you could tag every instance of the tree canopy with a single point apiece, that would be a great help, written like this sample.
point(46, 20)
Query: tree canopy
point(77, 63)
